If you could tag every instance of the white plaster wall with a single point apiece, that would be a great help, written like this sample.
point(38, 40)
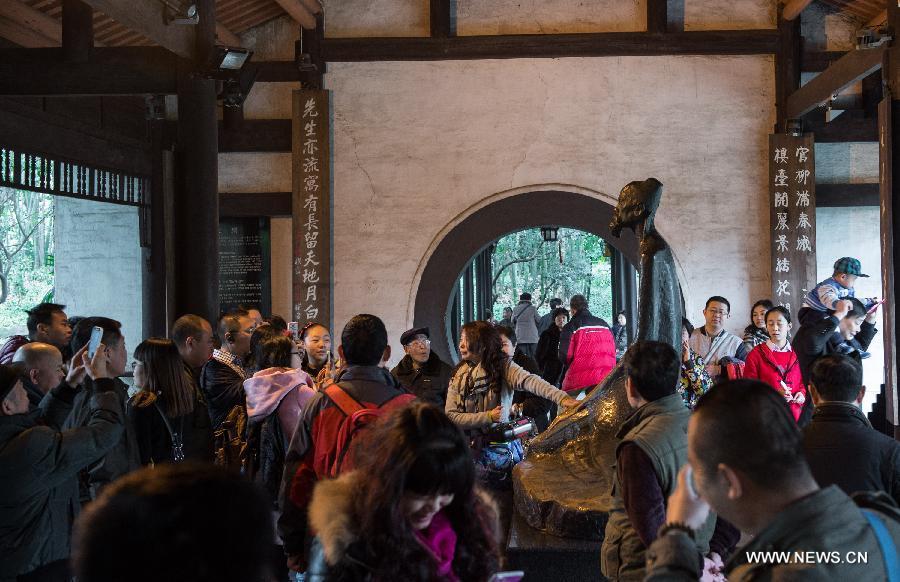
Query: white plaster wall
point(729, 15)
point(356, 18)
point(272, 41)
point(854, 232)
point(476, 17)
point(417, 144)
point(98, 263)
point(255, 172)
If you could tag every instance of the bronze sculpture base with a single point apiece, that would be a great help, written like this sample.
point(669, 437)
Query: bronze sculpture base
point(564, 491)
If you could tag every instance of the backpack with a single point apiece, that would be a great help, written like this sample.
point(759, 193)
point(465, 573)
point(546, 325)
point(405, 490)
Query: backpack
point(357, 419)
point(230, 440)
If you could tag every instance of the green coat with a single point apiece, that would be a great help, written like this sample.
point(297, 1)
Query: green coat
point(827, 521)
point(39, 465)
point(659, 428)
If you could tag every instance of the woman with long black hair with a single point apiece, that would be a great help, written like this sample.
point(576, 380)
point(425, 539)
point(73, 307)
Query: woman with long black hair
point(480, 397)
point(170, 418)
point(410, 511)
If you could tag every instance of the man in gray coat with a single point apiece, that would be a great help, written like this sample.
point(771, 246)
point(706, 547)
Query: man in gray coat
point(745, 461)
point(39, 464)
point(526, 320)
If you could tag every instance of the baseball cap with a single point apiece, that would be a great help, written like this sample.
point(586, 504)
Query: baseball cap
point(848, 265)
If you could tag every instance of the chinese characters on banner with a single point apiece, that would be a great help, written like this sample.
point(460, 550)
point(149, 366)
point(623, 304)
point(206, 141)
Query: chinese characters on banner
point(792, 201)
point(311, 207)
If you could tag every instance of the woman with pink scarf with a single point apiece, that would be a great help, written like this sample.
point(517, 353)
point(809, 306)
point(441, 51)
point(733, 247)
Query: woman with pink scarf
point(410, 511)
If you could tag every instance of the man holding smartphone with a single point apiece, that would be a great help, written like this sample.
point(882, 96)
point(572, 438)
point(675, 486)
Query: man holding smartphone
point(123, 457)
point(40, 462)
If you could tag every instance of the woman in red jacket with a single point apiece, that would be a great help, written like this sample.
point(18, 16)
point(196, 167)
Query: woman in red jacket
point(775, 363)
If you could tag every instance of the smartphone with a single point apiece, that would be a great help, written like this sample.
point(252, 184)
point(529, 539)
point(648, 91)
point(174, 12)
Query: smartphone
point(96, 338)
point(875, 306)
point(510, 576)
point(294, 329)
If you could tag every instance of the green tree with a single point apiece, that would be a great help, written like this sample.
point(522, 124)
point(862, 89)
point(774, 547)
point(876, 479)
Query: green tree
point(26, 240)
point(577, 263)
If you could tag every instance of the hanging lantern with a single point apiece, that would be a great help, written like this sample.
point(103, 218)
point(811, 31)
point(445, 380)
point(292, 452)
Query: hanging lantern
point(549, 233)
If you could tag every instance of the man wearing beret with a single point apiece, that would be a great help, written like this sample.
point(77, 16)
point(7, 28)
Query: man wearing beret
point(421, 371)
point(39, 464)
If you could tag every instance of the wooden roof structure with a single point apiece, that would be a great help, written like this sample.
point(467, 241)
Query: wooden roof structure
point(38, 23)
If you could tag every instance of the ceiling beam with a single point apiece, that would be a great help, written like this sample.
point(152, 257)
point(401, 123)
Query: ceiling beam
point(111, 71)
point(226, 37)
point(148, 18)
point(844, 195)
point(852, 126)
point(24, 15)
point(254, 204)
point(601, 44)
point(22, 36)
point(793, 8)
point(299, 12)
point(849, 69)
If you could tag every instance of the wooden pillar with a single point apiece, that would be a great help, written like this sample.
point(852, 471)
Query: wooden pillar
point(156, 317)
point(624, 288)
point(787, 67)
point(889, 128)
point(196, 204)
point(77, 31)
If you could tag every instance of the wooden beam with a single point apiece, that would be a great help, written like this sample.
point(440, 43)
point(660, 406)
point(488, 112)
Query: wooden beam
point(441, 17)
point(276, 71)
point(30, 129)
point(298, 11)
point(242, 204)
point(77, 30)
point(256, 135)
point(846, 195)
point(148, 18)
point(226, 37)
point(112, 71)
point(657, 15)
point(31, 18)
point(793, 8)
point(849, 127)
point(847, 70)
point(24, 37)
point(312, 6)
point(879, 19)
point(818, 61)
point(787, 69)
point(601, 44)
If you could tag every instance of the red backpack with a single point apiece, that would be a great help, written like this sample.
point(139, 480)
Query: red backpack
point(357, 418)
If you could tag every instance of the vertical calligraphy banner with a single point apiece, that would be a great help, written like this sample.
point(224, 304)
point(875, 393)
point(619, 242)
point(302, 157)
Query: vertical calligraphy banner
point(311, 207)
point(792, 202)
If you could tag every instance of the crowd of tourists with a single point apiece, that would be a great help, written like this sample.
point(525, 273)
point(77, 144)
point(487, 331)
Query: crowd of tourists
point(248, 449)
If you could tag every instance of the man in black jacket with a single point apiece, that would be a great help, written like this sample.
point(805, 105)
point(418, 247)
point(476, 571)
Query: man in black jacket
point(222, 377)
point(847, 331)
point(39, 463)
point(124, 456)
point(841, 446)
point(421, 371)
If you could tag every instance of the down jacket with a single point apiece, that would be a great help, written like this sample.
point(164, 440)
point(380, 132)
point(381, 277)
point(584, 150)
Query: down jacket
point(336, 552)
point(275, 400)
point(587, 350)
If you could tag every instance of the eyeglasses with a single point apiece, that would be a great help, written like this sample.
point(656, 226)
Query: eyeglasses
point(718, 312)
point(420, 343)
